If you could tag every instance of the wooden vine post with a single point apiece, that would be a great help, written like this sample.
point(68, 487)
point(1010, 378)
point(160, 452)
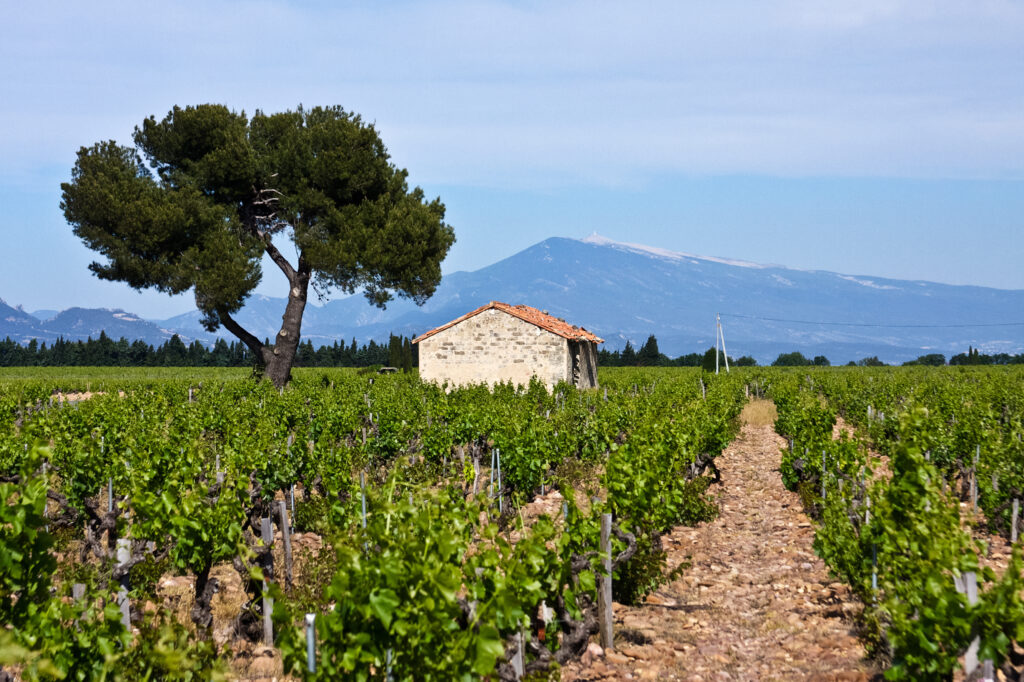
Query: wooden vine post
point(968, 584)
point(974, 480)
point(1014, 515)
point(123, 556)
point(287, 537)
point(823, 465)
point(518, 660)
point(267, 561)
point(604, 587)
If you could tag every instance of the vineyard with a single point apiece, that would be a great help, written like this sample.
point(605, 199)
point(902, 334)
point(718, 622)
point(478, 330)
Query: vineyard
point(434, 572)
point(911, 498)
point(377, 527)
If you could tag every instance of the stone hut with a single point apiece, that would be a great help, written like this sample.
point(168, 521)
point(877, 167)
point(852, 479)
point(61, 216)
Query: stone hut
point(501, 342)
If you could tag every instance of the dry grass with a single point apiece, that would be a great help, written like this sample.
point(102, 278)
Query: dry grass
point(759, 412)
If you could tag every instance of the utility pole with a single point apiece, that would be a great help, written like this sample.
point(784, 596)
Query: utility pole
point(719, 334)
point(718, 327)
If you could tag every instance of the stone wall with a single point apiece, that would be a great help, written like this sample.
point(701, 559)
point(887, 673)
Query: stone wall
point(493, 347)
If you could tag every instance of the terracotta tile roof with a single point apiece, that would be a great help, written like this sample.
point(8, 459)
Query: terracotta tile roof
point(527, 314)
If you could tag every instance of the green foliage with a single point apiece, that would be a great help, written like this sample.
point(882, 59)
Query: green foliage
point(405, 582)
point(145, 576)
point(807, 421)
point(708, 360)
point(645, 571)
point(648, 355)
point(920, 549)
point(40, 639)
point(25, 560)
point(931, 360)
point(47, 649)
point(197, 220)
point(973, 356)
point(201, 523)
point(976, 411)
point(165, 650)
point(628, 358)
point(196, 203)
point(910, 522)
point(650, 487)
point(794, 359)
point(406, 596)
point(105, 352)
point(313, 515)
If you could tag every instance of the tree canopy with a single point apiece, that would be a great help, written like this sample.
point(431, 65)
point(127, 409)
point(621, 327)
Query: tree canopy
point(649, 355)
point(930, 359)
point(708, 359)
point(794, 359)
point(628, 357)
point(206, 192)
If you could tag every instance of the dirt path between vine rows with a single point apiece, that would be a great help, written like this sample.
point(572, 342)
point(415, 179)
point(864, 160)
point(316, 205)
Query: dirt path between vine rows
point(756, 603)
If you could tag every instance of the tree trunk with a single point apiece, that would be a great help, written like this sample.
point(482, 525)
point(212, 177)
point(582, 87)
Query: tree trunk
point(279, 358)
point(202, 614)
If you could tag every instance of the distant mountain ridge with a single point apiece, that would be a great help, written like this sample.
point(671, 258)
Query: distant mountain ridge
point(79, 324)
point(623, 291)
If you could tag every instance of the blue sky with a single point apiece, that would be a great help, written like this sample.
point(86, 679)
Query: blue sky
point(865, 137)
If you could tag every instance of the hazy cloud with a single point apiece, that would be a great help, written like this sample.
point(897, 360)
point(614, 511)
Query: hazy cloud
point(540, 93)
point(800, 132)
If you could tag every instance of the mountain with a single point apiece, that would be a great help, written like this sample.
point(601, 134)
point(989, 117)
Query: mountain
point(82, 323)
point(624, 291)
point(79, 324)
point(44, 315)
point(261, 316)
point(16, 323)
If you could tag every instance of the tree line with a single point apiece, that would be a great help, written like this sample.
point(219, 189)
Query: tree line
point(105, 352)
point(975, 357)
point(398, 352)
point(649, 356)
point(972, 357)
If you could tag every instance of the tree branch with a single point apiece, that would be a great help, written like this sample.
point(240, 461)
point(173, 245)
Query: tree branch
point(262, 211)
point(254, 344)
point(276, 255)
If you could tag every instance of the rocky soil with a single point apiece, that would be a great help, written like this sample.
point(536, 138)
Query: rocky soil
point(756, 603)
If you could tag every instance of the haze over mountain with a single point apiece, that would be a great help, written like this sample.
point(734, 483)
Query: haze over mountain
point(626, 291)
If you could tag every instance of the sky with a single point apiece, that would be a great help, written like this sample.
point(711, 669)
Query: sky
point(863, 136)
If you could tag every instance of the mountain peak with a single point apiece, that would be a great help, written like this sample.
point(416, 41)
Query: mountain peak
point(657, 252)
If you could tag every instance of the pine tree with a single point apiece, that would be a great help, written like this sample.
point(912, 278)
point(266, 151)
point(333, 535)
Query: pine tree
point(206, 193)
point(394, 351)
point(628, 357)
point(648, 355)
point(407, 355)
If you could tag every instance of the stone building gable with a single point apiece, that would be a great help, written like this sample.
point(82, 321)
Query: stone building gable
point(493, 346)
point(540, 318)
